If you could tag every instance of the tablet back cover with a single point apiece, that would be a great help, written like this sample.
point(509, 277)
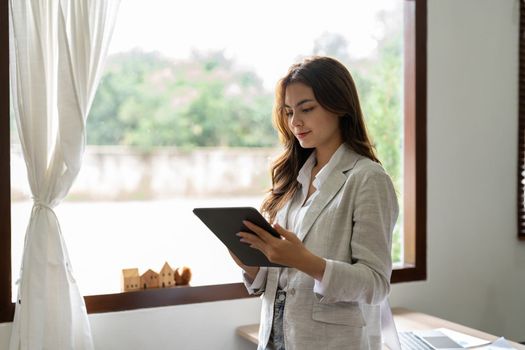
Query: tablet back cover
point(226, 222)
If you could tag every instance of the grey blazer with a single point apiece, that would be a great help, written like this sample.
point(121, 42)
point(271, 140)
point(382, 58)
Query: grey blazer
point(350, 224)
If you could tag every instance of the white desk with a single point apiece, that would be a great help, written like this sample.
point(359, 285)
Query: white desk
point(405, 320)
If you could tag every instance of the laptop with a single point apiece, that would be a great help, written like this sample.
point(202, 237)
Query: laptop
point(413, 341)
point(438, 339)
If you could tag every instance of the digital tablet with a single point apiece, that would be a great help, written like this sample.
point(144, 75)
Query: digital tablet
point(226, 222)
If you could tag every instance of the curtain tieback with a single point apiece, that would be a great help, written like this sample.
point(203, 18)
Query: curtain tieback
point(38, 203)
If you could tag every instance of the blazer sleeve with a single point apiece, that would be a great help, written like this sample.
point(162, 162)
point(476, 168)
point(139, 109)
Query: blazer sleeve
point(366, 278)
point(257, 285)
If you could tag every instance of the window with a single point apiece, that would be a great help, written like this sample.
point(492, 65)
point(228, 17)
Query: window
point(414, 202)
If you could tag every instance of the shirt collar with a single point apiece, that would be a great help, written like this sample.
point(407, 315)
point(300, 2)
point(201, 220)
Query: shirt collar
point(323, 174)
point(306, 170)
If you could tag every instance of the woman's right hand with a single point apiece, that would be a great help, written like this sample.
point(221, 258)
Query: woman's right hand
point(250, 270)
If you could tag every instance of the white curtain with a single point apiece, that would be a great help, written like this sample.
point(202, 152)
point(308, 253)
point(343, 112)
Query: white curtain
point(388, 327)
point(57, 48)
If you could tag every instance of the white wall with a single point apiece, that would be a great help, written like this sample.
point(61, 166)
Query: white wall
point(187, 327)
point(476, 266)
point(191, 327)
point(5, 333)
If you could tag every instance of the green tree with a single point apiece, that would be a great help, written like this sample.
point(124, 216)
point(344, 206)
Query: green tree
point(123, 84)
point(147, 101)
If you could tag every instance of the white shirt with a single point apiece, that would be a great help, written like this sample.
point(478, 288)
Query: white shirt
point(299, 208)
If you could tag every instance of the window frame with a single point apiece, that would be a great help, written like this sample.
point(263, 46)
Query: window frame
point(7, 308)
point(415, 147)
point(521, 127)
point(414, 268)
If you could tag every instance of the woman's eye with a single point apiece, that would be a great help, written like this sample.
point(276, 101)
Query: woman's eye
point(289, 114)
point(306, 110)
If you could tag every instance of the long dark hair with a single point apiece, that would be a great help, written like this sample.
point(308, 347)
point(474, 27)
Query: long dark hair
point(335, 90)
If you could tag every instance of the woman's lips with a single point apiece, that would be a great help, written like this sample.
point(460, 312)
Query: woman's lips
point(302, 135)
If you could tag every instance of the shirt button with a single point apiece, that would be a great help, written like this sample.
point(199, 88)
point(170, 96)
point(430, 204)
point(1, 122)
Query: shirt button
point(292, 291)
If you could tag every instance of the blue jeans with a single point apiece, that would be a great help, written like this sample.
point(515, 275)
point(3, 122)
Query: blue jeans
point(277, 335)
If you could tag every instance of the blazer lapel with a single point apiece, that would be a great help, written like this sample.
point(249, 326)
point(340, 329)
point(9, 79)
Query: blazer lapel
point(328, 190)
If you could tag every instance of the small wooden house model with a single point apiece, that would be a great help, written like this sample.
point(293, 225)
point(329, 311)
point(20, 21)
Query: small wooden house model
point(149, 279)
point(166, 276)
point(130, 280)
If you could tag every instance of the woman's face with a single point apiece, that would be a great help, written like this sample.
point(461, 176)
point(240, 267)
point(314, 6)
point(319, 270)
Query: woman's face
point(312, 125)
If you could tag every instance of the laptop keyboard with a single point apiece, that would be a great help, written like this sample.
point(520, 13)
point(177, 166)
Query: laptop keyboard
point(409, 341)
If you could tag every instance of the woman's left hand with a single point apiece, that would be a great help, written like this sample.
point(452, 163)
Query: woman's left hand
point(288, 250)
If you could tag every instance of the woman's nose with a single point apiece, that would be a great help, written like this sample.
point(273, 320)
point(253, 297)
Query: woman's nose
point(295, 121)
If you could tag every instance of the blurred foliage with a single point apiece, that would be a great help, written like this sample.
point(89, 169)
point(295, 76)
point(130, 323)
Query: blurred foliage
point(146, 101)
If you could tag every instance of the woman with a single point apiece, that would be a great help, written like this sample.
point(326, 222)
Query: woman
point(335, 208)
